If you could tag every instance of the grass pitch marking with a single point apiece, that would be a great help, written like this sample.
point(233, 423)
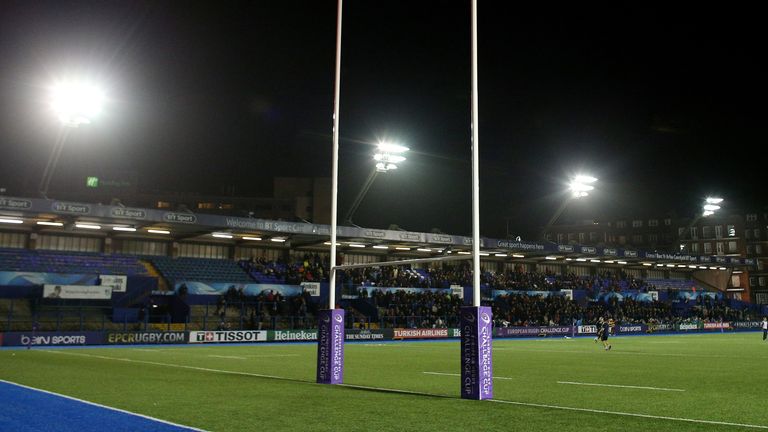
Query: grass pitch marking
point(103, 406)
point(621, 386)
point(458, 375)
point(415, 393)
point(227, 357)
point(619, 413)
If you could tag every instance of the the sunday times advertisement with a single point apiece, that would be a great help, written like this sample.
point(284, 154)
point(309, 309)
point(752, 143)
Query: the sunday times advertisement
point(127, 338)
point(227, 336)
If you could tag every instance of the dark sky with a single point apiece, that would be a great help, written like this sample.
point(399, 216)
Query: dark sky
point(664, 106)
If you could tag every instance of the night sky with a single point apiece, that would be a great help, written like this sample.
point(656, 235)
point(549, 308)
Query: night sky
point(664, 106)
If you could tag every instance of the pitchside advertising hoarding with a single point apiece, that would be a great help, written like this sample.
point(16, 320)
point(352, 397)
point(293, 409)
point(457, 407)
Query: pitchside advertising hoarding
point(51, 338)
point(145, 338)
point(227, 336)
point(311, 335)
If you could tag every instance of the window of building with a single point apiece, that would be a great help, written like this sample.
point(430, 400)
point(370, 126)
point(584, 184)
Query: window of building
point(694, 248)
point(707, 248)
point(750, 249)
point(668, 221)
point(593, 237)
point(751, 217)
point(561, 238)
point(694, 233)
point(758, 249)
point(621, 224)
point(718, 231)
point(706, 232)
point(637, 224)
point(732, 246)
point(637, 239)
point(653, 238)
point(582, 237)
point(653, 223)
point(163, 205)
point(720, 248)
point(756, 233)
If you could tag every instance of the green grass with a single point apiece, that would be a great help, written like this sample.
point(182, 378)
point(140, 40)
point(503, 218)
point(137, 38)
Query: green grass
point(272, 388)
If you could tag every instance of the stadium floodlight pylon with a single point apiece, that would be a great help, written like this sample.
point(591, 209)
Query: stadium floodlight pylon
point(476, 320)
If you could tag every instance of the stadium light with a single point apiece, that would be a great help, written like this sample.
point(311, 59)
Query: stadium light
point(711, 206)
point(579, 186)
point(74, 103)
point(387, 156)
point(88, 226)
point(49, 223)
point(158, 231)
point(11, 221)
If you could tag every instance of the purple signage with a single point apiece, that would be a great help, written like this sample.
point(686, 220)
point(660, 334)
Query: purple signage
point(330, 346)
point(533, 331)
point(476, 357)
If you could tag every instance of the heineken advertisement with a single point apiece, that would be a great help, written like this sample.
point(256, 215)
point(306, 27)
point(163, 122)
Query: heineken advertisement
point(476, 358)
point(330, 346)
point(311, 335)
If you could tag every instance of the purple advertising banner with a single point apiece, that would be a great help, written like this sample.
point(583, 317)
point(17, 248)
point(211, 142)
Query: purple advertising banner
point(533, 331)
point(476, 347)
point(330, 346)
point(52, 338)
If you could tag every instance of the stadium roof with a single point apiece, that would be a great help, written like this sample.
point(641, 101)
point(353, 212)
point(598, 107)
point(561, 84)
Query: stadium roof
point(46, 215)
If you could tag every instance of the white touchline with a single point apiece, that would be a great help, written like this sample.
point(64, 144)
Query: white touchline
point(419, 393)
point(620, 386)
point(103, 406)
point(227, 357)
point(272, 355)
point(453, 374)
point(628, 414)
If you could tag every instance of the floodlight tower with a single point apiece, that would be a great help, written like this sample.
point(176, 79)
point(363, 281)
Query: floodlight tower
point(710, 206)
point(578, 187)
point(75, 104)
point(387, 156)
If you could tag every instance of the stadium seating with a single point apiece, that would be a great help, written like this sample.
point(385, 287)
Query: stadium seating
point(23, 260)
point(200, 269)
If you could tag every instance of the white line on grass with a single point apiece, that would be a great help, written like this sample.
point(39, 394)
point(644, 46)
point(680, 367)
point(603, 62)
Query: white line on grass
point(615, 353)
point(271, 355)
point(458, 375)
point(103, 406)
point(619, 413)
point(227, 357)
point(408, 392)
point(621, 386)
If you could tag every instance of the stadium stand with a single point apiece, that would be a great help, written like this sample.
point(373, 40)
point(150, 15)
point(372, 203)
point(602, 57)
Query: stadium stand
point(200, 269)
point(69, 262)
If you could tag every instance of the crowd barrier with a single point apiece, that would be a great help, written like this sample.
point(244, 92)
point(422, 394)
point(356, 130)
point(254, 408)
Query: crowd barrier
point(30, 338)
